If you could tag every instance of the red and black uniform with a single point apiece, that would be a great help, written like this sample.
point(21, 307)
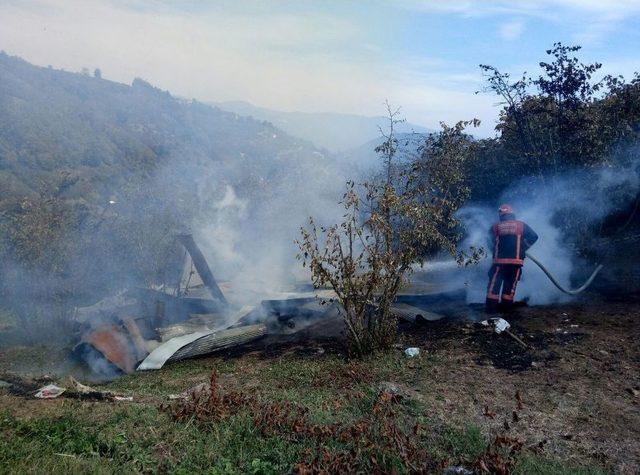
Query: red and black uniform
point(510, 239)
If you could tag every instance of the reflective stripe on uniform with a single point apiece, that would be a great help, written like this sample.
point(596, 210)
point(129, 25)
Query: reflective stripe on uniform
point(517, 262)
point(490, 294)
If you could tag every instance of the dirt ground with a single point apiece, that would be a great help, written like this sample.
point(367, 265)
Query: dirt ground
point(578, 381)
point(573, 393)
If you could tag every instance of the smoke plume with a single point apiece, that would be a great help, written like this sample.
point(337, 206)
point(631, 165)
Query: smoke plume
point(550, 207)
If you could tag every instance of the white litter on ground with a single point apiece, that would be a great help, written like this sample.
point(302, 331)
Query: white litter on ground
point(411, 352)
point(49, 391)
point(499, 324)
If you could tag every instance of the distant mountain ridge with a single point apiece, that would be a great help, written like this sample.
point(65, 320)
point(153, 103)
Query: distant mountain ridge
point(332, 131)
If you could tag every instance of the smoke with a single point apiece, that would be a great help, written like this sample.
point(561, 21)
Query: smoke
point(248, 218)
point(552, 208)
point(241, 187)
point(245, 207)
point(221, 233)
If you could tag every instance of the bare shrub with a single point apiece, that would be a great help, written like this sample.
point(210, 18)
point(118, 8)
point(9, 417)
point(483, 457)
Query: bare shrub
point(388, 227)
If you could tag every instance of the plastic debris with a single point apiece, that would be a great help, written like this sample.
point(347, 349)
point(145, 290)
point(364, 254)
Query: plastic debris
point(77, 386)
point(457, 470)
point(412, 352)
point(500, 325)
point(50, 391)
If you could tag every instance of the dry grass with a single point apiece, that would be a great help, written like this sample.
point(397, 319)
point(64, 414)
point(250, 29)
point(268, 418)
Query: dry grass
point(291, 408)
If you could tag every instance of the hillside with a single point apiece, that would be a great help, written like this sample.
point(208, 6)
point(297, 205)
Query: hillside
point(94, 175)
point(331, 131)
point(102, 132)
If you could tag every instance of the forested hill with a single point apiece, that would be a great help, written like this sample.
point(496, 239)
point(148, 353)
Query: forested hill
point(95, 177)
point(98, 133)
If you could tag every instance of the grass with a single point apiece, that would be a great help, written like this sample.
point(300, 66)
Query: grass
point(541, 466)
point(70, 436)
point(462, 445)
point(135, 439)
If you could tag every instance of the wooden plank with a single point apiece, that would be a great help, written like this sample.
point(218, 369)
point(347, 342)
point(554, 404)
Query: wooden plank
point(202, 267)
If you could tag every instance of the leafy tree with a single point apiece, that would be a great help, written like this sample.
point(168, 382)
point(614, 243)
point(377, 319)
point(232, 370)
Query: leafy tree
point(561, 119)
point(35, 255)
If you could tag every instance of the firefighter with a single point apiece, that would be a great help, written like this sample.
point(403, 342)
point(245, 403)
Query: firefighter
point(510, 240)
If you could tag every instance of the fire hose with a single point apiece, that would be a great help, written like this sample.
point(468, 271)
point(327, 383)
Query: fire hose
point(558, 285)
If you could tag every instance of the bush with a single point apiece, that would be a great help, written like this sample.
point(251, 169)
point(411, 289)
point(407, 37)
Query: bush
point(388, 227)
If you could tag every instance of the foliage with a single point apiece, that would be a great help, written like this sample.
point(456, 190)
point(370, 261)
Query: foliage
point(36, 228)
point(565, 118)
point(561, 119)
point(60, 251)
point(388, 227)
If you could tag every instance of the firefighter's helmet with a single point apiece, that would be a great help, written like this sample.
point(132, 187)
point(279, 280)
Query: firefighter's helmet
point(505, 209)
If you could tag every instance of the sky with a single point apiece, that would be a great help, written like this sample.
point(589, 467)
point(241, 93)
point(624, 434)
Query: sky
point(325, 55)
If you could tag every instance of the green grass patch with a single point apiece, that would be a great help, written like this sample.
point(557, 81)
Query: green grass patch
point(69, 436)
point(461, 446)
point(530, 465)
point(173, 378)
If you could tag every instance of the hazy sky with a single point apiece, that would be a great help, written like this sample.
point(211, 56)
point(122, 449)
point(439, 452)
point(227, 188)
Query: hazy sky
point(323, 55)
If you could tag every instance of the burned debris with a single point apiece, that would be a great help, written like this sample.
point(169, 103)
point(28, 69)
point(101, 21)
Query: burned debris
point(187, 315)
point(120, 331)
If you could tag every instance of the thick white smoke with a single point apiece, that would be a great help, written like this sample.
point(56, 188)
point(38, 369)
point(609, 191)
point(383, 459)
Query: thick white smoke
point(249, 238)
point(534, 285)
point(588, 194)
